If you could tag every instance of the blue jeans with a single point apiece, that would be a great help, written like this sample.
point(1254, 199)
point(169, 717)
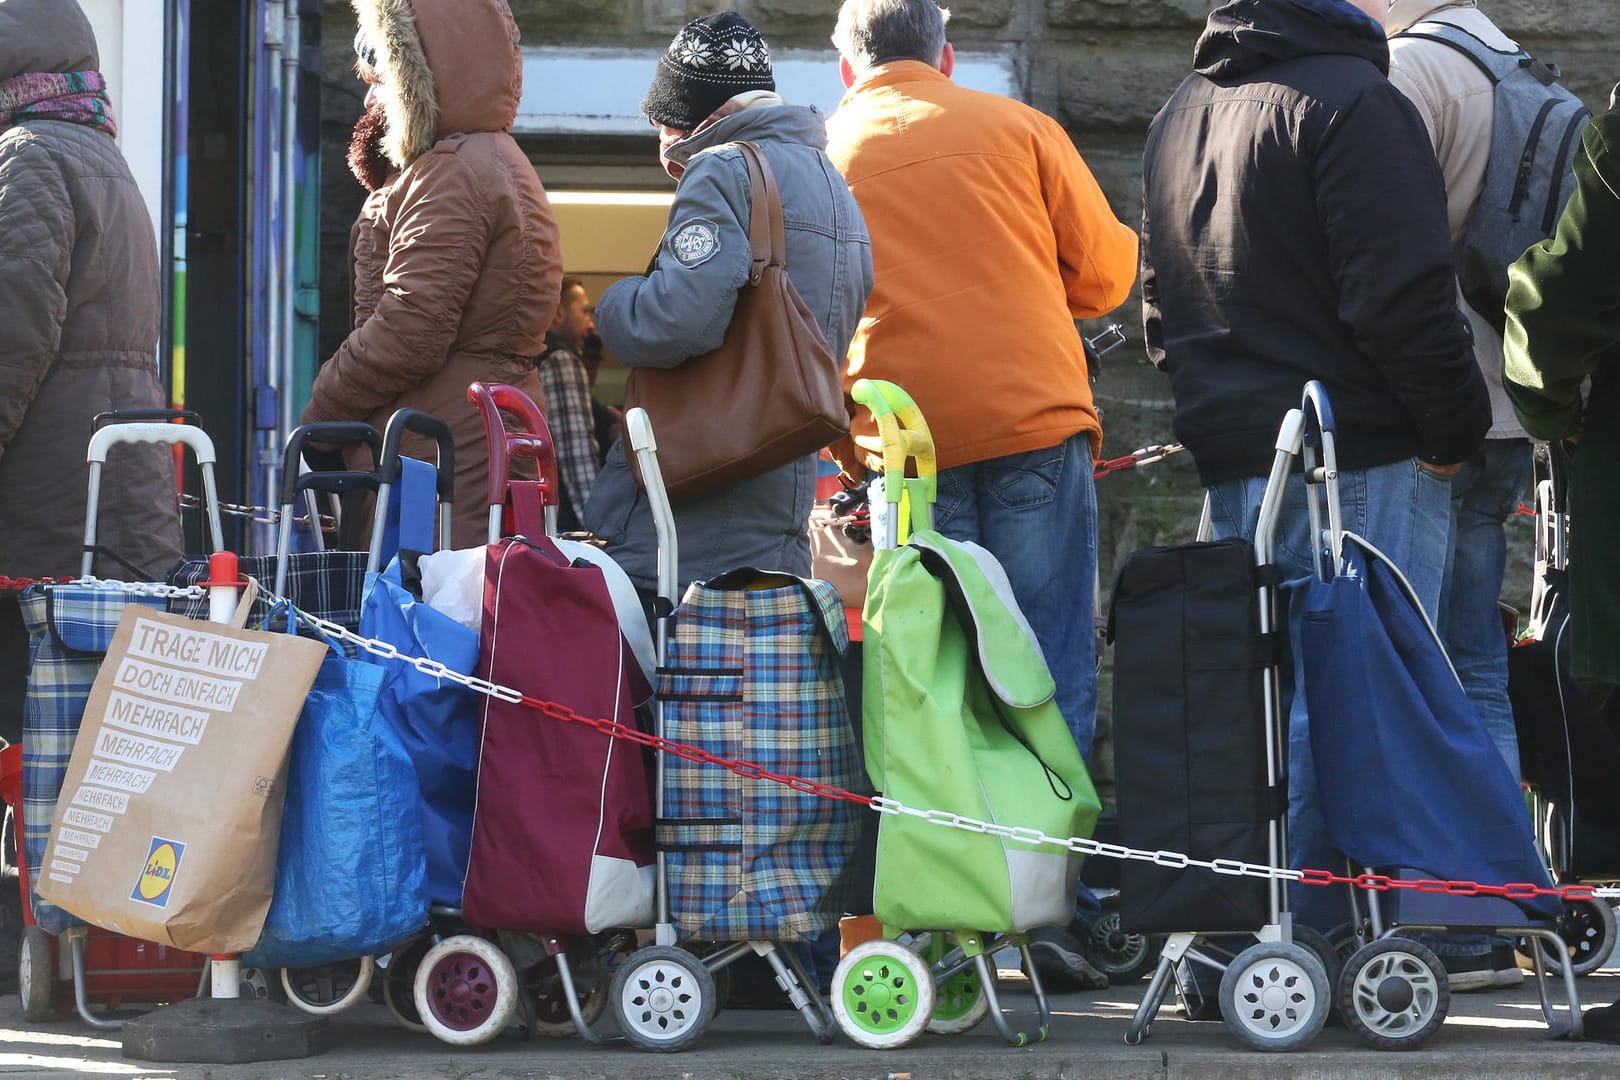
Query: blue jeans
point(1037, 514)
point(1483, 494)
point(1405, 512)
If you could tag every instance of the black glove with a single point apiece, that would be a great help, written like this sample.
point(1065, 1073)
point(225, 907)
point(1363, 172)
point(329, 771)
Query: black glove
point(323, 458)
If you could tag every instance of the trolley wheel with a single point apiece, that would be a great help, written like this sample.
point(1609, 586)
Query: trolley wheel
point(1394, 994)
point(1275, 996)
point(721, 976)
point(1344, 941)
point(960, 1003)
point(466, 991)
point(1326, 951)
point(663, 998)
point(329, 988)
point(551, 1016)
point(35, 971)
point(1124, 958)
point(260, 984)
point(1588, 930)
point(399, 983)
point(883, 995)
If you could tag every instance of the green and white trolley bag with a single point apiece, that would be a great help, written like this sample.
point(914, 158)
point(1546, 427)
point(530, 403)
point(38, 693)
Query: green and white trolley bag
point(960, 717)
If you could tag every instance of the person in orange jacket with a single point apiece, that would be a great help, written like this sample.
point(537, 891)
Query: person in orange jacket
point(977, 203)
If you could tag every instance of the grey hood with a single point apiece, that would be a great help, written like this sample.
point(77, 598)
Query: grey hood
point(803, 124)
point(45, 36)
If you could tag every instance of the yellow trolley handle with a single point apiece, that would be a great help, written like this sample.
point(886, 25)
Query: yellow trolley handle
point(904, 436)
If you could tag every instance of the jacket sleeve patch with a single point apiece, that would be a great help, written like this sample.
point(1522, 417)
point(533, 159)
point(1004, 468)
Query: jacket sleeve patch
point(694, 243)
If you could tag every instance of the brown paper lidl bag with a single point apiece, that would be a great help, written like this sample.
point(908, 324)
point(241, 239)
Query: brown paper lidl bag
point(170, 812)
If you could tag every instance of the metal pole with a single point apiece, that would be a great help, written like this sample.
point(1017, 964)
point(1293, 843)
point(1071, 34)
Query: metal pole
point(225, 969)
point(287, 361)
point(267, 243)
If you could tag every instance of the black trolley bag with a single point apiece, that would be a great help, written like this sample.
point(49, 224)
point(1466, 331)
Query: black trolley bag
point(1190, 734)
point(1568, 730)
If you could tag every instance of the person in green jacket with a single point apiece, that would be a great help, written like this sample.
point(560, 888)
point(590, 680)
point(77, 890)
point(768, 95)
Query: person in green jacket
point(1563, 328)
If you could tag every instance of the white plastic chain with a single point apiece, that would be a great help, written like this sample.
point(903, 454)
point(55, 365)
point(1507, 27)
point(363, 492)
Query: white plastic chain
point(145, 588)
point(1173, 860)
point(261, 515)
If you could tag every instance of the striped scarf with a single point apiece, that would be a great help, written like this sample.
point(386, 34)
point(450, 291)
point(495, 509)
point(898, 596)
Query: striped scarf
point(77, 97)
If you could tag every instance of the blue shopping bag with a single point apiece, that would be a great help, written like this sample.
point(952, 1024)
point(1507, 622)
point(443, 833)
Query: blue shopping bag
point(351, 876)
point(1410, 779)
point(435, 719)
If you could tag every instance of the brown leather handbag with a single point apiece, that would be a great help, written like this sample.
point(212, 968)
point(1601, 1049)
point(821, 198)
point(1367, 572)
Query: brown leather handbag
point(770, 394)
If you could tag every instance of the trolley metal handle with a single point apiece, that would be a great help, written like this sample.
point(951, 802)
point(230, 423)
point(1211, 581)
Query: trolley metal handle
point(130, 416)
point(1322, 480)
point(533, 443)
point(389, 468)
point(336, 482)
point(904, 436)
point(337, 433)
point(105, 438)
point(638, 433)
point(418, 422)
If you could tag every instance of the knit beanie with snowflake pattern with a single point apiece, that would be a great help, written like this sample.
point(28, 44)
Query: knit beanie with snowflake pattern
point(711, 60)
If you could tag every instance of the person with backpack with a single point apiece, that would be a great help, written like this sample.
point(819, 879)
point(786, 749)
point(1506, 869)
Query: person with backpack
point(1481, 107)
point(1563, 375)
point(1488, 107)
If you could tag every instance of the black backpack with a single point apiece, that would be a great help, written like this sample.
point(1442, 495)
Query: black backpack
point(1528, 178)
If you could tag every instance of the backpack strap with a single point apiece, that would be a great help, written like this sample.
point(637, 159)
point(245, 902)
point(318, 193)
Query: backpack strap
point(1494, 63)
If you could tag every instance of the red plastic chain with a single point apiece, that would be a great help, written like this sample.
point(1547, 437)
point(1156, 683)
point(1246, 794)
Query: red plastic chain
point(18, 584)
point(1113, 465)
point(1382, 883)
point(751, 771)
point(746, 769)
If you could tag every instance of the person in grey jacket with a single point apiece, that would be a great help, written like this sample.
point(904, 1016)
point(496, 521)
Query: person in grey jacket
point(714, 87)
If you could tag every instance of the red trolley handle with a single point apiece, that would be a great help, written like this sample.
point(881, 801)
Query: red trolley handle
point(533, 443)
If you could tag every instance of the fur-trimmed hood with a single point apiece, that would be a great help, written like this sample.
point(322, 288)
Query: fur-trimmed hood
point(447, 67)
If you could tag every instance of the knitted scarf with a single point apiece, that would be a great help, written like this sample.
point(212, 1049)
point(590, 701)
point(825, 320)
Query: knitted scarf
point(77, 97)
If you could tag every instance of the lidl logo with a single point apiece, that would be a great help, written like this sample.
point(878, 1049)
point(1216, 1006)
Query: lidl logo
point(157, 876)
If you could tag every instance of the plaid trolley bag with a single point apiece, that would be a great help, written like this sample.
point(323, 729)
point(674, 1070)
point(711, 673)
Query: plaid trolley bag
point(71, 627)
point(330, 585)
point(754, 675)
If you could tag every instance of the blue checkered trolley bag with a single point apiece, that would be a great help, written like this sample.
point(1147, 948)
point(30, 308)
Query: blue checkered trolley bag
point(751, 673)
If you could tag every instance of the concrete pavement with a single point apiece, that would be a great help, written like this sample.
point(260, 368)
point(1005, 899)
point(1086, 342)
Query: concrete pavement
point(1486, 1036)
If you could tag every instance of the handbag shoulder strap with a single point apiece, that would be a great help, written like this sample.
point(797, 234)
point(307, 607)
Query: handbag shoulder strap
point(765, 232)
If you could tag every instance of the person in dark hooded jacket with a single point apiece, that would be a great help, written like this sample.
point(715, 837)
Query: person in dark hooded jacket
point(1294, 228)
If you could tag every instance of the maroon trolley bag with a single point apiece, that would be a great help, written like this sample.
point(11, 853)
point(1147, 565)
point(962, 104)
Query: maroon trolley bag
point(562, 839)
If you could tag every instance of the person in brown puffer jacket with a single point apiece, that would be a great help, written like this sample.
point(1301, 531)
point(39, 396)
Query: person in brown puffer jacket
point(79, 305)
point(455, 262)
